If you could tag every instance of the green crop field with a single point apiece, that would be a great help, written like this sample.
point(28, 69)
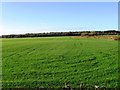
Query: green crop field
point(51, 62)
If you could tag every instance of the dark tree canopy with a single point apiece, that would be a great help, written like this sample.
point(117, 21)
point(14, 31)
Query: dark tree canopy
point(50, 34)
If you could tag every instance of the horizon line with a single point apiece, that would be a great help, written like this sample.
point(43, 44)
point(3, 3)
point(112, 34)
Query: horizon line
point(57, 31)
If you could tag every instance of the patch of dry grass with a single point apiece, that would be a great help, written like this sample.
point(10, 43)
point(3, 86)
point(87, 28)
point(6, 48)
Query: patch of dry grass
point(100, 37)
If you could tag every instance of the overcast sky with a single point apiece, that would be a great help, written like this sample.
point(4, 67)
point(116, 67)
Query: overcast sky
point(34, 17)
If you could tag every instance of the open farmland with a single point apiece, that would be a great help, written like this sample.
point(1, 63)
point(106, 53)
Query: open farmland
point(52, 62)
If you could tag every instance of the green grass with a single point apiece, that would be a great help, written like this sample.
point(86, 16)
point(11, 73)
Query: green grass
point(52, 62)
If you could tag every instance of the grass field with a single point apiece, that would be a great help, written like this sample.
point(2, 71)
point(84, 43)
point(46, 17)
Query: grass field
point(54, 61)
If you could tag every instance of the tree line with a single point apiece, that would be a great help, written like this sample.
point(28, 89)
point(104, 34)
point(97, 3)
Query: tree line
point(77, 33)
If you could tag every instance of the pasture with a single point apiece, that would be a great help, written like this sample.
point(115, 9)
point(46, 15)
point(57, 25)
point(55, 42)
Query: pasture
point(50, 62)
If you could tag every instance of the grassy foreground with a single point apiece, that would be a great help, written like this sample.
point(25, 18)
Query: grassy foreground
point(52, 62)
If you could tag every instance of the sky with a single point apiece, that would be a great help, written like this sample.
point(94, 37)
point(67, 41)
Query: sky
point(37, 17)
